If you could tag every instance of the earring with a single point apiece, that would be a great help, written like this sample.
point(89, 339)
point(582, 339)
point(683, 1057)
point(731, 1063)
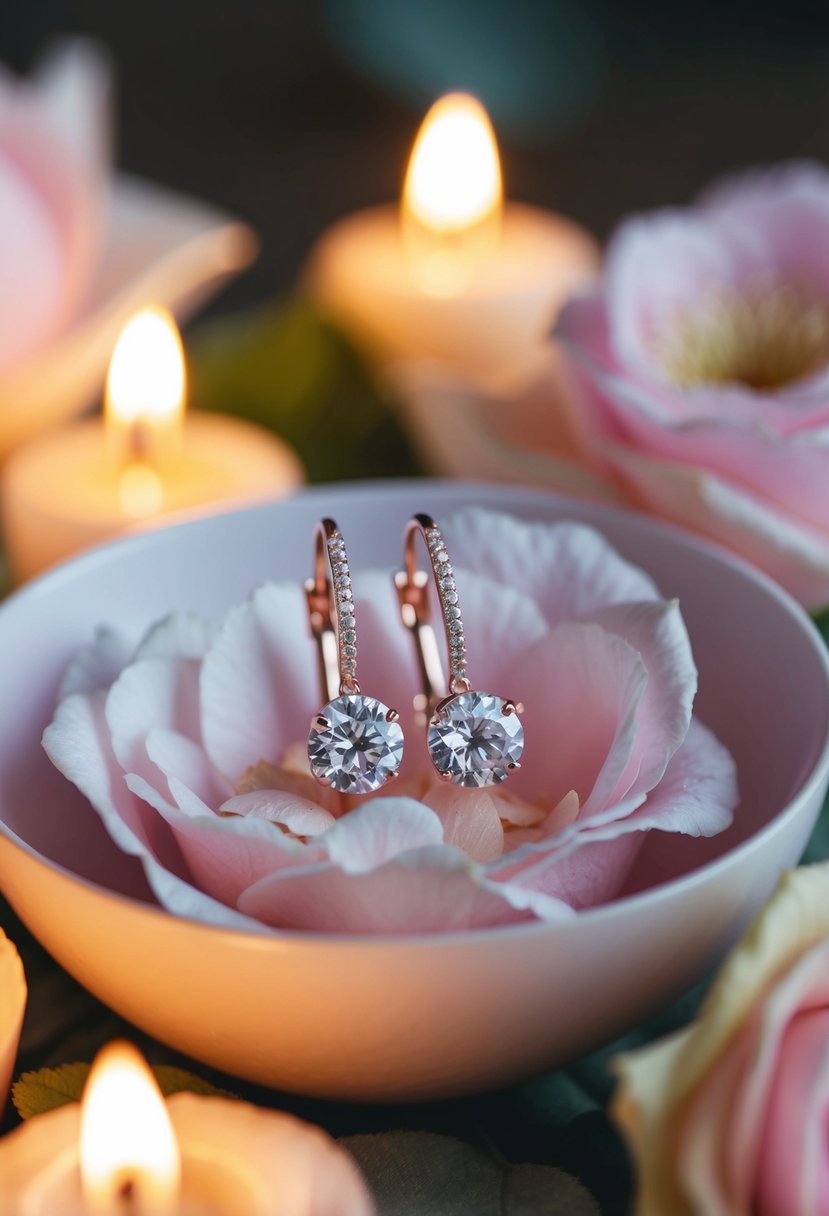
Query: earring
point(474, 738)
point(356, 742)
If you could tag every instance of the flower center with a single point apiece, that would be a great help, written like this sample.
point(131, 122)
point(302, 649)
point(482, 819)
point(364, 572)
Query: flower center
point(766, 338)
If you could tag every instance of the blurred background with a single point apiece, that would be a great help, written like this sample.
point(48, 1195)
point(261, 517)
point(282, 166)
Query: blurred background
point(293, 114)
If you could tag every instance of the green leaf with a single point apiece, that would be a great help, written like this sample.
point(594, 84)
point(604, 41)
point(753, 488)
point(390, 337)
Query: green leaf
point(415, 1172)
point(289, 369)
point(34, 1093)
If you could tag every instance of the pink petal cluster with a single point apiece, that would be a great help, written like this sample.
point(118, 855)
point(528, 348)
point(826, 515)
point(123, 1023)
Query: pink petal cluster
point(192, 748)
point(729, 1116)
point(700, 366)
point(54, 171)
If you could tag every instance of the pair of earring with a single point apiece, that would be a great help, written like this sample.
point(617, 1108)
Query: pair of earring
point(355, 744)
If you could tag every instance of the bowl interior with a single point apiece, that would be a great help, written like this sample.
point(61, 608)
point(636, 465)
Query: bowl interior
point(763, 674)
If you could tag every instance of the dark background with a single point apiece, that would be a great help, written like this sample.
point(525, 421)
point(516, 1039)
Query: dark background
point(292, 114)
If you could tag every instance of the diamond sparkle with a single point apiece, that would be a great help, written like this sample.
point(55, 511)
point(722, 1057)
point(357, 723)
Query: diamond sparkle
point(474, 739)
point(352, 745)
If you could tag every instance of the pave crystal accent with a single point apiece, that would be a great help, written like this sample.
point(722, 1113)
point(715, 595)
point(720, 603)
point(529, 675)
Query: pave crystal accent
point(473, 739)
point(449, 604)
point(352, 745)
point(345, 626)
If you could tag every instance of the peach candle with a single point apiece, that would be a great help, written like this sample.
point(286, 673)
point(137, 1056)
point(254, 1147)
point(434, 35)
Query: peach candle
point(124, 1151)
point(454, 275)
point(144, 463)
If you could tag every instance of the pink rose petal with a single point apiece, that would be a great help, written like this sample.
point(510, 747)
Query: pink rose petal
point(380, 830)
point(148, 695)
point(223, 856)
point(582, 688)
point(181, 635)
point(96, 665)
point(299, 815)
point(427, 890)
point(78, 742)
point(183, 759)
point(797, 1123)
point(568, 569)
point(258, 681)
point(470, 820)
point(657, 633)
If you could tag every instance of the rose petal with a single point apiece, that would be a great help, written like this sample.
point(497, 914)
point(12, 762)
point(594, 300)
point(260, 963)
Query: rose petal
point(792, 552)
point(300, 815)
point(380, 830)
point(657, 632)
point(568, 569)
point(97, 664)
point(52, 198)
point(181, 635)
point(582, 688)
point(470, 820)
point(152, 694)
point(500, 623)
point(797, 1113)
point(78, 743)
point(660, 1083)
point(258, 681)
point(223, 856)
point(427, 890)
point(183, 759)
point(659, 267)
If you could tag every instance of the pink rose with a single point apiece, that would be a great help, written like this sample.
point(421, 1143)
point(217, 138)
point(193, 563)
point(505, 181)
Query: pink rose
point(192, 748)
point(82, 248)
point(701, 369)
point(54, 171)
point(729, 1117)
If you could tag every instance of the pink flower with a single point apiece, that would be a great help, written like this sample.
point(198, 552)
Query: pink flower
point(54, 173)
point(701, 369)
point(82, 248)
point(192, 748)
point(729, 1117)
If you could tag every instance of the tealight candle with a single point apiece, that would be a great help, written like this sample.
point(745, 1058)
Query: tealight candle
point(454, 276)
point(124, 1151)
point(145, 462)
point(12, 1008)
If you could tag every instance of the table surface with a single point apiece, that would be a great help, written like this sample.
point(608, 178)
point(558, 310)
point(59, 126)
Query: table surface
point(278, 128)
point(558, 1118)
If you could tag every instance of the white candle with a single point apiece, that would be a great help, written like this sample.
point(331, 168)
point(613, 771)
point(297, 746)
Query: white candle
point(126, 1152)
point(454, 276)
point(144, 463)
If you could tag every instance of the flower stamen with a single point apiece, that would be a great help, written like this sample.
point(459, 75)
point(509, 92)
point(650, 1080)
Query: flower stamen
point(765, 338)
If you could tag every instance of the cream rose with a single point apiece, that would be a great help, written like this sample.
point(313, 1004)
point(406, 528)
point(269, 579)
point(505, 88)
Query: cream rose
point(729, 1117)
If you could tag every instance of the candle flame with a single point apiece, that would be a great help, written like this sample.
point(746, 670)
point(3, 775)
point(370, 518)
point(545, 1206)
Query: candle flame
point(454, 175)
point(453, 195)
point(127, 1144)
point(146, 379)
point(144, 410)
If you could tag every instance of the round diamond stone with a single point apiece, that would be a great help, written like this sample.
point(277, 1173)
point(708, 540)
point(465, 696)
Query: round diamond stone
point(473, 740)
point(352, 745)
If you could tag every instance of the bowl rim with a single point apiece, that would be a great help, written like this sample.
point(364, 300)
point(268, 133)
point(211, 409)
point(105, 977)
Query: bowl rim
point(497, 494)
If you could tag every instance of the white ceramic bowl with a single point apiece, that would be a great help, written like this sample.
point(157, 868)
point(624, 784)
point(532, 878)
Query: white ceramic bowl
point(420, 1016)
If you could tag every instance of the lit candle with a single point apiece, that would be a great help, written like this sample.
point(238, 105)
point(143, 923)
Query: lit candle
point(126, 1152)
point(455, 276)
point(12, 1008)
point(145, 462)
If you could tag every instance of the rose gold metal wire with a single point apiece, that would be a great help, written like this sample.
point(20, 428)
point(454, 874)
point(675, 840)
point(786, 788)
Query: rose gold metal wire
point(331, 610)
point(416, 612)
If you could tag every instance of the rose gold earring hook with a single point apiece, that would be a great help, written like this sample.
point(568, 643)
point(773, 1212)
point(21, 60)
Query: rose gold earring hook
point(331, 610)
point(474, 738)
point(413, 593)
